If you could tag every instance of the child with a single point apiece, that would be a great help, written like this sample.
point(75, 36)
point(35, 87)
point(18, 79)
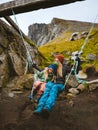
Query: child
point(41, 78)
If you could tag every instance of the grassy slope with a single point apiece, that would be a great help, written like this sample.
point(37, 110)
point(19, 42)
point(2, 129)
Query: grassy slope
point(63, 45)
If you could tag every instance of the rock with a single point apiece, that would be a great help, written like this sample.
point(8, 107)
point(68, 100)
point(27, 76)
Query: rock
point(81, 75)
point(84, 34)
point(72, 81)
point(69, 96)
point(93, 86)
point(4, 70)
point(21, 83)
point(73, 91)
point(74, 36)
point(92, 57)
point(81, 87)
point(70, 102)
point(90, 71)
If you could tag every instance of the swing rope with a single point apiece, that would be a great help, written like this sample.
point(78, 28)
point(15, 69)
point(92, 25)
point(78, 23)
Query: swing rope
point(81, 51)
point(68, 76)
point(29, 59)
point(86, 39)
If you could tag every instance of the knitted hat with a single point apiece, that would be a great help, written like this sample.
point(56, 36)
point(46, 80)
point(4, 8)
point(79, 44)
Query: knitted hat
point(60, 57)
point(54, 67)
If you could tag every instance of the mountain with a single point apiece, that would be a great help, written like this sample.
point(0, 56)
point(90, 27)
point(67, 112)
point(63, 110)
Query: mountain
point(69, 41)
point(43, 33)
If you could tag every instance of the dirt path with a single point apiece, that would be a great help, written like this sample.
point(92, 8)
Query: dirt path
point(17, 113)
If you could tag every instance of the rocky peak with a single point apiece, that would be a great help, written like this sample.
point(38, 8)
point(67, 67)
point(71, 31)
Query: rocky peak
point(38, 31)
point(43, 33)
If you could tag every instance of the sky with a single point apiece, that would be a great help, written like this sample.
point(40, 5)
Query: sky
point(85, 11)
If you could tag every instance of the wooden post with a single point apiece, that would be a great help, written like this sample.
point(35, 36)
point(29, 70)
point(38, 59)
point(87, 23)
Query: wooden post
point(13, 24)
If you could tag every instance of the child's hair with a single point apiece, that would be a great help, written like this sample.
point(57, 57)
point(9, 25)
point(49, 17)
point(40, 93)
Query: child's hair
point(53, 67)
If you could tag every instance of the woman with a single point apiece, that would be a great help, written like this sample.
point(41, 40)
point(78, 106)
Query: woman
point(48, 99)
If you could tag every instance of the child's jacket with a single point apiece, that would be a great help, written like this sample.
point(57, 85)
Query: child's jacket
point(43, 76)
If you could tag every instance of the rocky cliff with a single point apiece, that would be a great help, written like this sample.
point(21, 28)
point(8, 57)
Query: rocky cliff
point(13, 55)
point(43, 33)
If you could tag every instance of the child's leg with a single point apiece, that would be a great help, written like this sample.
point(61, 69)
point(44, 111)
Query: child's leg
point(37, 84)
point(42, 87)
point(40, 91)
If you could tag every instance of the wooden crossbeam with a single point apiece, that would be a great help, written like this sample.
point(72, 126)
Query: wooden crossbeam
point(22, 6)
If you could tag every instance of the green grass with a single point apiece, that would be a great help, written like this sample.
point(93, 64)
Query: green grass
point(62, 45)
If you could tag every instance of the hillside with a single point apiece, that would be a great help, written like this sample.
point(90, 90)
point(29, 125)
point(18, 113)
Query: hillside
point(63, 45)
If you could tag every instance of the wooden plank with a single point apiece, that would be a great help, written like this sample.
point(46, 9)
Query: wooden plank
point(21, 6)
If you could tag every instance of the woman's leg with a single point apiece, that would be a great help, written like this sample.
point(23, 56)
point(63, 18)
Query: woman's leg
point(56, 88)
